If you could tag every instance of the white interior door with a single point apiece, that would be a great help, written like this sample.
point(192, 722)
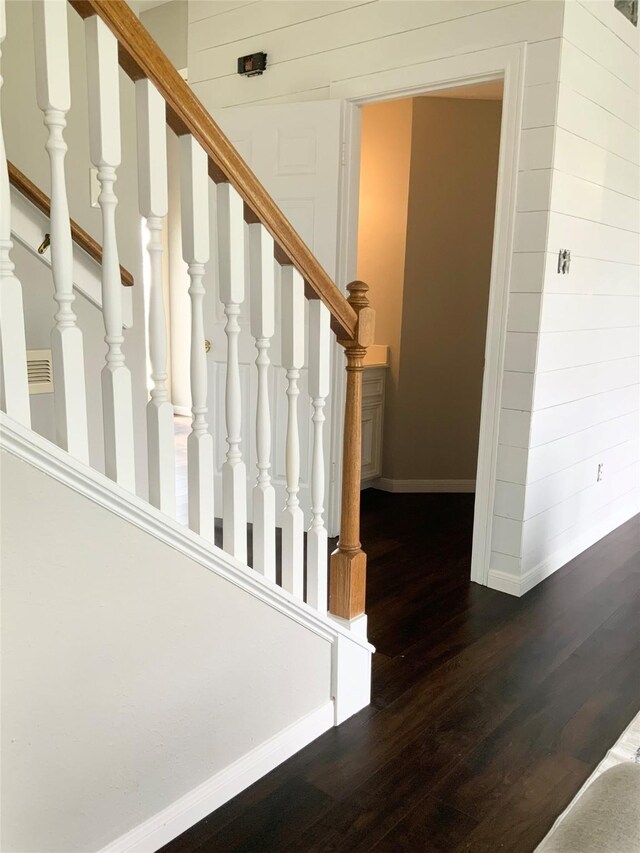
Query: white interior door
point(295, 151)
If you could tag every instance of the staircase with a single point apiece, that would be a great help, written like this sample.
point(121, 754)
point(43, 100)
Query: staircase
point(151, 673)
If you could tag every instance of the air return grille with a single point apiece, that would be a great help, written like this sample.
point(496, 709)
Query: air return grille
point(39, 371)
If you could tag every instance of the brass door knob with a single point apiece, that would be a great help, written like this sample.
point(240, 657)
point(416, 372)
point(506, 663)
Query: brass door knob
point(207, 345)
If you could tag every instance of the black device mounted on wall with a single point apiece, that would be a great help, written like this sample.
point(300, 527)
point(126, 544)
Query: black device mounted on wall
point(252, 65)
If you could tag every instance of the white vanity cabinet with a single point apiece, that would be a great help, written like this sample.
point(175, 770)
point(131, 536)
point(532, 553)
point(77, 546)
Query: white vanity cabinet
point(373, 386)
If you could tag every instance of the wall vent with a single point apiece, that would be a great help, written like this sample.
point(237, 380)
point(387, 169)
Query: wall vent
point(40, 371)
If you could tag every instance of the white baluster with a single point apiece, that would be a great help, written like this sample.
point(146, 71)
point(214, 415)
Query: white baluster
point(292, 360)
point(14, 386)
point(319, 383)
point(262, 329)
point(154, 203)
point(104, 139)
point(231, 259)
point(54, 99)
point(194, 191)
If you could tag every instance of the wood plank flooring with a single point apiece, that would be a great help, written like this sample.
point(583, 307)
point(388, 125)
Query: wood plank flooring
point(488, 712)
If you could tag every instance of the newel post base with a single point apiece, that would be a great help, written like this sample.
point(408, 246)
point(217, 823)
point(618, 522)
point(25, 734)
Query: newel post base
point(348, 567)
point(347, 584)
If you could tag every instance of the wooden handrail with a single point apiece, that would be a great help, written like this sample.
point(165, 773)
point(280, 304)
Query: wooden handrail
point(140, 57)
point(40, 200)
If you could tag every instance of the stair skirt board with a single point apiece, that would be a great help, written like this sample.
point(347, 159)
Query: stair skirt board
point(423, 486)
point(351, 653)
point(223, 786)
point(57, 463)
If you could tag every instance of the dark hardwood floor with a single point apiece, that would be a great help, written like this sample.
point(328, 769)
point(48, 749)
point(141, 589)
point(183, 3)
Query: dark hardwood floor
point(488, 712)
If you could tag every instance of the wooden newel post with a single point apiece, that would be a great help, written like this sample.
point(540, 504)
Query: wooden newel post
point(348, 561)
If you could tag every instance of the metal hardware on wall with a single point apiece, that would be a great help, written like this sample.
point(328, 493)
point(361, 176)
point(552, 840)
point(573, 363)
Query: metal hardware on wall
point(564, 261)
point(42, 248)
point(207, 345)
point(629, 9)
point(252, 65)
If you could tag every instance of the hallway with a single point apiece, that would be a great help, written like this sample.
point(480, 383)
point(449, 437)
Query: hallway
point(488, 712)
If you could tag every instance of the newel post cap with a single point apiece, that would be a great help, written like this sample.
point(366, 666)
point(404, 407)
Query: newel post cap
point(366, 316)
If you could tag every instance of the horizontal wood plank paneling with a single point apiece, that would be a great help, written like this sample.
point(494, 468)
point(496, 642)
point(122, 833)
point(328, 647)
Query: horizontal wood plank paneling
point(514, 428)
point(589, 78)
point(347, 51)
point(594, 202)
point(547, 492)
point(540, 105)
point(587, 119)
point(311, 34)
point(235, 27)
point(612, 20)
point(548, 459)
point(524, 310)
point(584, 159)
point(572, 312)
point(573, 383)
point(586, 402)
point(572, 417)
point(517, 390)
point(204, 9)
point(560, 350)
point(548, 532)
point(520, 352)
point(583, 30)
point(543, 62)
point(591, 276)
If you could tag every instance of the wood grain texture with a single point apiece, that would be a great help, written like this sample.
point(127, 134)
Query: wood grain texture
point(347, 577)
point(42, 201)
point(488, 712)
point(140, 57)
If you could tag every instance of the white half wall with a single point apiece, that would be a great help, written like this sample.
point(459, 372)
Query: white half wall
point(135, 681)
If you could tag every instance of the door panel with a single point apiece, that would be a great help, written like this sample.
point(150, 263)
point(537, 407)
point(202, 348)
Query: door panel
point(294, 149)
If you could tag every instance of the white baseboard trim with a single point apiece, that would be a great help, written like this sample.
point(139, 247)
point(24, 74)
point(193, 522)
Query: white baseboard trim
point(422, 486)
point(518, 586)
point(504, 582)
point(223, 786)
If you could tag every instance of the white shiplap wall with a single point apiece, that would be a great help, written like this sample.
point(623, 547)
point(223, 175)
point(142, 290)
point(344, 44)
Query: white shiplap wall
point(312, 45)
point(586, 400)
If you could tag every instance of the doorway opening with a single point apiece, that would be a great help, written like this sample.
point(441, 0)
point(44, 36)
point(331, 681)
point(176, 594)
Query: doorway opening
point(427, 201)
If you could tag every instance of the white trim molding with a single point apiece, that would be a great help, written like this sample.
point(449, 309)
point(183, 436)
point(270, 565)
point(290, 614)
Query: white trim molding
point(519, 586)
point(508, 63)
point(172, 821)
point(422, 486)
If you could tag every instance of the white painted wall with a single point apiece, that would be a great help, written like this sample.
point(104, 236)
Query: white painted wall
point(586, 391)
point(122, 688)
